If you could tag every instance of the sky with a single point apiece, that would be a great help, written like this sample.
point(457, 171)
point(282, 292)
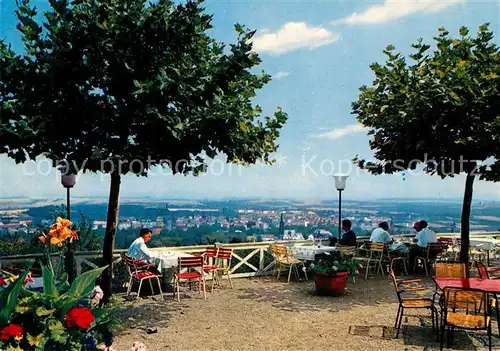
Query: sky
point(318, 53)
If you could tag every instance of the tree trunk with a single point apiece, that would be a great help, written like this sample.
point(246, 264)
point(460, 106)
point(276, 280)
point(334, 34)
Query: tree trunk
point(465, 225)
point(109, 237)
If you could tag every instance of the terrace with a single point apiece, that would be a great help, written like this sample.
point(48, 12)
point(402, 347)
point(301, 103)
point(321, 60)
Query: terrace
point(263, 313)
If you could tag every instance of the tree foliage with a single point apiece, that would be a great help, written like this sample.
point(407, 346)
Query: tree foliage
point(441, 108)
point(123, 80)
point(120, 86)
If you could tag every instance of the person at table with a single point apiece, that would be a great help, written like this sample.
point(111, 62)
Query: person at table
point(349, 237)
point(138, 248)
point(423, 238)
point(381, 234)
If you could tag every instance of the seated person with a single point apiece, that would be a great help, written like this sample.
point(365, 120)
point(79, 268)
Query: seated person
point(349, 237)
point(423, 238)
point(381, 234)
point(138, 250)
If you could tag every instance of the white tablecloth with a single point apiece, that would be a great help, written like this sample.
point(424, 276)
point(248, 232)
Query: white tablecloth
point(308, 253)
point(481, 243)
point(167, 260)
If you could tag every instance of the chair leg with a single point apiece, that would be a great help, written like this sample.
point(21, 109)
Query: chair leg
point(305, 272)
point(151, 286)
point(129, 288)
point(400, 321)
point(178, 291)
point(367, 269)
point(442, 337)
point(159, 287)
point(425, 266)
point(290, 272)
point(279, 272)
point(397, 317)
point(404, 266)
point(229, 278)
point(489, 336)
point(213, 282)
point(139, 291)
point(203, 284)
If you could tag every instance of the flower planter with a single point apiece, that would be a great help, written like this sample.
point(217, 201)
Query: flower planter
point(332, 285)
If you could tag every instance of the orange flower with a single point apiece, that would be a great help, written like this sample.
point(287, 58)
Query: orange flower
point(59, 232)
point(63, 222)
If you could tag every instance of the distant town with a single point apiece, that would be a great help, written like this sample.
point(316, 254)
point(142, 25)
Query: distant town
point(256, 220)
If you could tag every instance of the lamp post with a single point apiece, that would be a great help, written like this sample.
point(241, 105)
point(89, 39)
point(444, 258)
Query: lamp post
point(340, 181)
point(68, 181)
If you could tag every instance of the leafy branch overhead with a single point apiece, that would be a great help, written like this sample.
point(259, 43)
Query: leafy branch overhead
point(127, 80)
point(440, 108)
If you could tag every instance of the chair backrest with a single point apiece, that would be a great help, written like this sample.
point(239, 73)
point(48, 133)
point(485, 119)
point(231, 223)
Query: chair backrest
point(376, 250)
point(225, 253)
point(482, 270)
point(279, 251)
point(129, 263)
point(211, 251)
point(190, 262)
point(465, 302)
point(434, 249)
point(347, 250)
point(451, 270)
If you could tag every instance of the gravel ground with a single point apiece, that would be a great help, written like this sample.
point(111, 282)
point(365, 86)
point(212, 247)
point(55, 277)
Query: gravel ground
point(263, 314)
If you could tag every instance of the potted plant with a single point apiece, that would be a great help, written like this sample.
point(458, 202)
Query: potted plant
point(331, 271)
point(59, 317)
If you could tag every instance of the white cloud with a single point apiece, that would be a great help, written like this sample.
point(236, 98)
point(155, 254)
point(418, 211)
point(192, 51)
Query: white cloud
point(279, 75)
point(394, 9)
point(341, 132)
point(293, 36)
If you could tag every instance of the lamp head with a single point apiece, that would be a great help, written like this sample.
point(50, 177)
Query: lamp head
point(340, 180)
point(68, 180)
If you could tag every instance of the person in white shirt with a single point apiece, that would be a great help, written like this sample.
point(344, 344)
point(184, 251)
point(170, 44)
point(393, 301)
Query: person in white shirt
point(423, 238)
point(424, 235)
point(138, 249)
point(381, 234)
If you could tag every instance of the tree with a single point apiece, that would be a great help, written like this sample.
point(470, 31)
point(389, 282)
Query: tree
point(441, 111)
point(122, 86)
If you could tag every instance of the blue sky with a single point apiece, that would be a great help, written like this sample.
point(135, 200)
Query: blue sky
point(319, 53)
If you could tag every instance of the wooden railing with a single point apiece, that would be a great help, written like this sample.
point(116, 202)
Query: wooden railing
point(249, 259)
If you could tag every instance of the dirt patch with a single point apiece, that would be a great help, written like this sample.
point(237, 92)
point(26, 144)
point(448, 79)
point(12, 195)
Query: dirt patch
point(262, 314)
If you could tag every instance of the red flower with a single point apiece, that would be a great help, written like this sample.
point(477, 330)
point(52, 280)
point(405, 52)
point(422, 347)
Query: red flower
point(80, 317)
point(3, 281)
point(11, 330)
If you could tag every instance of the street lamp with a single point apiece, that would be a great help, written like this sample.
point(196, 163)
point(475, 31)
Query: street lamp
point(340, 180)
point(68, 181)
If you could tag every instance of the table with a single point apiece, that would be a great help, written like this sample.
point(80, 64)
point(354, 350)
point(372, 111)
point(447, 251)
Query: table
point(166, 262)
point(491, 286)
point(308, 253)
point(485, 244)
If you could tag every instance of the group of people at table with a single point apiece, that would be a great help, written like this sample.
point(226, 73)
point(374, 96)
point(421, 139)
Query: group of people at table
point(423, 237)
point(139, 250)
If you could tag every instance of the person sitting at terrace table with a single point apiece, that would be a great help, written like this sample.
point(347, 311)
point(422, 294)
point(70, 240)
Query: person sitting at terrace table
point(381, 234)
point(349, 237)
point(138, 248)
point(423, 238)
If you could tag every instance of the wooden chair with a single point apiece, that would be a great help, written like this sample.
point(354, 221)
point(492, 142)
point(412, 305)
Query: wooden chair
point(447, 269)
point(376, 255)
point(224, 255)
point(465, 309)
point(139, 271)
point(403, 287)
point(431, 253)
point(194, 267)
point(284, 260)
point(484, 272)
